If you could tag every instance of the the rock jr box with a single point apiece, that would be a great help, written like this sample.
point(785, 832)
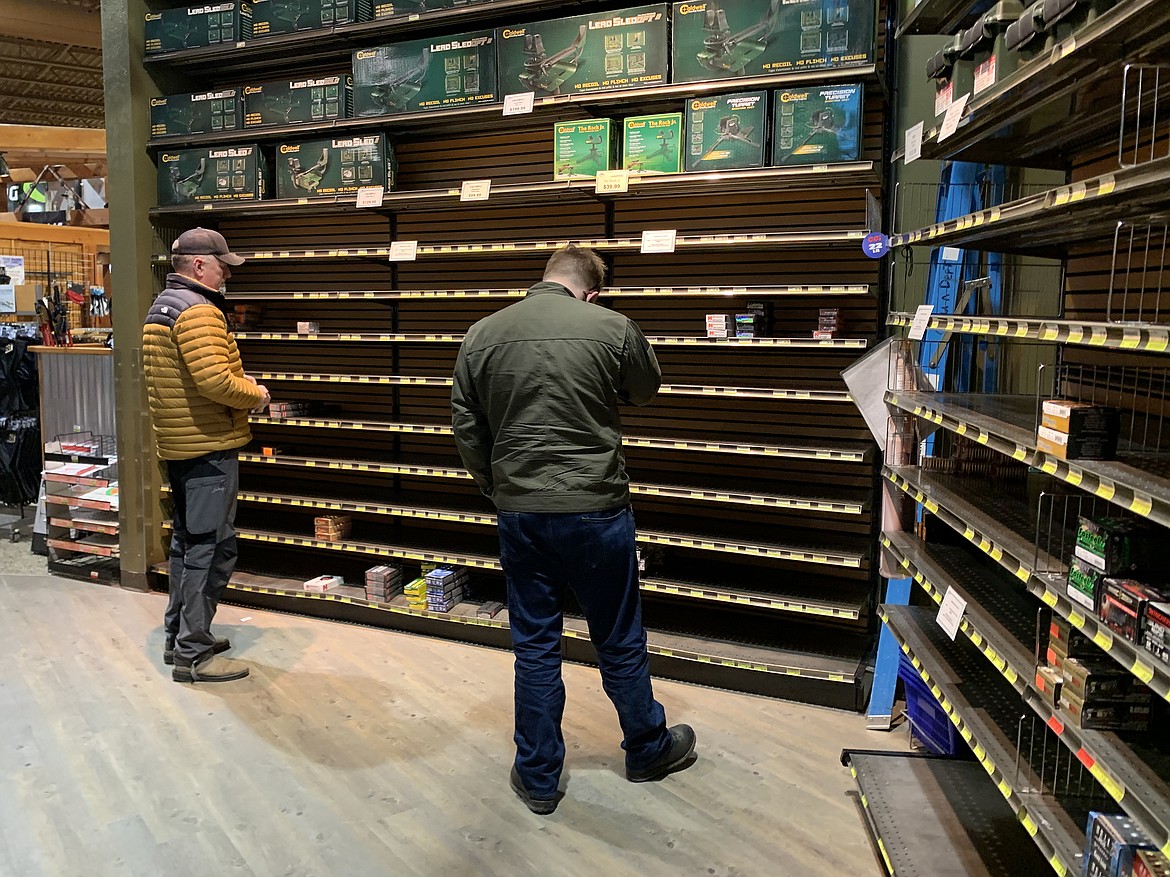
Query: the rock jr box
point(581, 149)
point(272, 17)
point(722, 40)
point(726, 132)
point(224, 173)
point(194, 27)
point(430, 74)
point(338, 166)
point(293, 101)
point(816, 125)
point(205, 112)
point(606, 51)
point(652, 144)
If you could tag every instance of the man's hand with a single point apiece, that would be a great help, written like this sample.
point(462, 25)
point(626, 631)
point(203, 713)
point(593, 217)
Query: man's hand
point(251, 379)
point(267, 398)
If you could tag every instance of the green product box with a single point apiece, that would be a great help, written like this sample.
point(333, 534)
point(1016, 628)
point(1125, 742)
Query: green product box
point(581, 149)
point(726, 132)
point(391, 8)
point(652, 144)
point(721, 40)
point(206, 112)
point(626, 48)
point(816, 125)
point(432, 74)
point(293, 101)
point(192, 27)
point(221, 173)
point(272, 17)
point(338, 166)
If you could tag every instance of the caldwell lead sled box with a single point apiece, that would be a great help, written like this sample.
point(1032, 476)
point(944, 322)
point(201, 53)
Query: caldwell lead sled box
point(194, 27)
point(293, 101)
point(722, 39)
point(429, 74)
point(272, 17)
point(225, 173)
point(202, 113)
point(340, 166)
point(585, 53)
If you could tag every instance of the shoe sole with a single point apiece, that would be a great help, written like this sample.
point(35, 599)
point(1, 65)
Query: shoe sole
point(169, 656)
point(668, 768)
point(185, 674)
point(538, 806)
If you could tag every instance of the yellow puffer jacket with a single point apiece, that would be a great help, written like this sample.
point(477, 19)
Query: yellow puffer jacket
point(199, 397)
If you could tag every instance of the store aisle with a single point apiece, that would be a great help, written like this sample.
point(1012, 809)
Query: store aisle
point(352, 751)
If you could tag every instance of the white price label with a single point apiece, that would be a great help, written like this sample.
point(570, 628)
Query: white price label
point(475, 190)
point(920, 322)
point(403, 251)
point(658, 241)
point(985, 75)
point(950, 122)
point(370, 196)
point(518, 104)
point(951, 254)
point(913, 144)
point(613, 182)
point(942, 98)
point(950, 613)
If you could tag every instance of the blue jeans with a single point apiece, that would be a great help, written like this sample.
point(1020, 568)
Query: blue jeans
point(593, 554)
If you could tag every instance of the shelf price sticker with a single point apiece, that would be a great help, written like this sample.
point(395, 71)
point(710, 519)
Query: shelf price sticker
point(950, 123)
point(519, 104)
point(920, 322)
point(658, 240)
point(370, 196)
point(950, 613)
point(613, 182)
point(913, 143)
point(403, 251)
point(475, 190)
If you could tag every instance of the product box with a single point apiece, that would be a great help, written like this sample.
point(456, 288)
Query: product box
point(1086, 446)
point(221, 173)
point(324, 583)
point(337, 166)
point(1077, 418)
point(391, 8)
point(652, 144)
point(1150, 863)
point(816, 125)
point(1115, 546)
point(624, 48)
point(272, 17)
point(431, 74)
point(720, 326)
point(293, 101)
point(721, 40)
point(1111, 840)
point(1084, 583)
point(332, 528)
point(205, 112)
point(581, 149)
point(1091, 679)
point(1068, 640)
point(1156, 630)
point(194, 27)
point(747, 325)
point(1108, 714)
point(726, 132)
point(1049, 682)
point(1123, 606)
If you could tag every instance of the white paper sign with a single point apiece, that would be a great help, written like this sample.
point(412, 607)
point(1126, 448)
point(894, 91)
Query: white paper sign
point(7, 299)
point(951, 254)
point(475, 190)
point(14, 266)
point(913, 144)
point(518, 104)
point(403, 251)
point(920, 322)
point(950, 122)
point(613, 182)
point(370, 196)
point(659, 241)
point(950, 613)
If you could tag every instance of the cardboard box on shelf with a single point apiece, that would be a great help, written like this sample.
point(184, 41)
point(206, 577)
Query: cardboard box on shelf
point(1156, 630)
point(324, 583)
point(1107, 714)
point(1115, 546)
point(582, 148)
point(1123, 606)
point(204, 112)
point(194, 27)
point(652, 144)
point(334, 166)
point(1085, 446)
point(274, 17)
point(1049, 682)
point(297, 101)
point(430, 74)
point(1111, 840)
point(726, 132)
point(219, 173)
point(1073, 418)
point(816, 125)
point(1084, 583)
point(1091, 679)
point(391, 8)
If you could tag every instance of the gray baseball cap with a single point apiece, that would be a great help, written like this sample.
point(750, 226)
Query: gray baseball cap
point(205, 242)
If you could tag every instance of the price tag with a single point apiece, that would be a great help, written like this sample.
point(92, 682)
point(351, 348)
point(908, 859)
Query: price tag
point(613, 182)
point(403, 251)
point(518, 104)
point(920, 322)
point(659, 241)
point(475, 190)
point(370, 196)
point(950, 613)
point(913, 144)
point(950, 122)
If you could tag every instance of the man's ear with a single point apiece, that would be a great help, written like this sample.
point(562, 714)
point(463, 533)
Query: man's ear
point(592, 297)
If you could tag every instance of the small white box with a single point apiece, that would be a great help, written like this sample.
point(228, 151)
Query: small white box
point(308, 328)
point(324, 583)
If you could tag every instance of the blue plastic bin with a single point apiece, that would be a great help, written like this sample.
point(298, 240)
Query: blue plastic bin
point(928, 721)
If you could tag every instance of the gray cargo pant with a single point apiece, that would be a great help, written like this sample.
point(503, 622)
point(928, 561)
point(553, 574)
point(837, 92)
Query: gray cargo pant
point(203, 547)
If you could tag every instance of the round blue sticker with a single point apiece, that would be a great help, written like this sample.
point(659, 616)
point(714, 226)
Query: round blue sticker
point(875, 245)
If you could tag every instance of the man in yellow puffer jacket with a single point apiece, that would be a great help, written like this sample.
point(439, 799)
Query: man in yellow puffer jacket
point(200, 397)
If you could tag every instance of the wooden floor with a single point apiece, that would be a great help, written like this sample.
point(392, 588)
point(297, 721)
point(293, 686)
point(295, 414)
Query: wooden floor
point(352, 751)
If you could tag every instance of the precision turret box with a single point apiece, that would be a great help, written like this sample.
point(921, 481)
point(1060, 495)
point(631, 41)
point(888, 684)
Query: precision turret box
point(206, 112)
point(816, 125)
point(724, 39)
point(726, 132)
point(338, 166)
point(295, 101)
point(625, 48)
point(581, 149)
point(194, 27)
point(432, 74)
point(652, 144)
point(221, 173)
point(272, 17)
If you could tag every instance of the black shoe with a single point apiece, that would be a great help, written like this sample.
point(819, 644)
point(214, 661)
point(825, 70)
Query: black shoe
point(539, 806)
point(221, 645)
point(682, 747)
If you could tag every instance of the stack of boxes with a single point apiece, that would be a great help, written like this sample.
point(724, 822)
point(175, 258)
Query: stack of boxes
point(720, 326)
point(1074, 430)
point(288, 409)
point(246, 317)
point(416, 593)
point(383, 583)
point(828, 324)
point(332, 528)
point(445, 588)
point(748, 326)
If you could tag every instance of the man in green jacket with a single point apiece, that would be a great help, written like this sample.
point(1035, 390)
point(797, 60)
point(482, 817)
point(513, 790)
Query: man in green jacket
point(534, 410)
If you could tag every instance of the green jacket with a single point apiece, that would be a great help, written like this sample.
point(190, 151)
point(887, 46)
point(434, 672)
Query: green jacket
point(534, 402)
